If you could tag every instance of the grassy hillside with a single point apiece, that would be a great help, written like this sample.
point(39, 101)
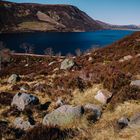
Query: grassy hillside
point(112, 68)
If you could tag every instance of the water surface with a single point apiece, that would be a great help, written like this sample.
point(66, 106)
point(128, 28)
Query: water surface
point(63, 42)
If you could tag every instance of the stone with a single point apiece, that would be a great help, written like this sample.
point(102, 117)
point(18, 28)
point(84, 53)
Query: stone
point(93, 112)
point(67, 64)
point(103, 95)
point(138, 55)
point(51, 63)
point(59, 103)
point(13, 79)
point(24, 88)
point(21, 100)
point(123, 122)
point(63, 115)
point(90, 59)
point(126, 58)
point(22, 124)
point(135, 83)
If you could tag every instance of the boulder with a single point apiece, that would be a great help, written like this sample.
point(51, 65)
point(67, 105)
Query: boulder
point(133, 122)
point(21, 100)
point(93, 112)
point(126, 58)
point(63, 115)
point(135, 83)
point(90, 59)
point(67, 64)
point(24, 88)
point(22, 124)
point(123, 122)
point(103, 95)
point(59, 103)
point(13, 79)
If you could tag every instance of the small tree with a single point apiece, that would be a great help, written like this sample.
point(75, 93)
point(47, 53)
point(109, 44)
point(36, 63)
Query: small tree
point(5, 54)
point(49, 52)
point(28, 48)
point(59, 54)
point(78, 52)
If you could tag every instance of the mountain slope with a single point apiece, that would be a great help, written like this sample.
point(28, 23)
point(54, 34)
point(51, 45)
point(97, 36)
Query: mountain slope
point(119, 27)
point(16, 17)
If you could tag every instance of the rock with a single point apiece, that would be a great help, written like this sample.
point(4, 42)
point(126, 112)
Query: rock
point(123, 122)
point(93, 112)
point(56, 69)
point(24, 88)
point(21, 100)
point(51, 63)
point(126, 58)
point(21, 124)
point(135, 121)
point(59, 103)
point(67, 64)
point(138, 55)
point(13, 79)
point(135, 83)
point(64, 115)
point(90, 59)
point(103, 95)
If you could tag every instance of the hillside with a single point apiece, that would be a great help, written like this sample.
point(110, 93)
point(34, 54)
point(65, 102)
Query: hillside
point(25, 17)
point(92, 96)
point(118, 27)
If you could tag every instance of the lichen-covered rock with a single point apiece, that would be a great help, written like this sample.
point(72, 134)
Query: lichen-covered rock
point(135, 83)
point(21, 100)
point(93, 112)
point(13, 79)
point(103, 95)
point(64, 115)
point(67, 64)
point(22, 124)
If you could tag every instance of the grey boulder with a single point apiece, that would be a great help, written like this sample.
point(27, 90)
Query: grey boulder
point(22, 124)
point(93, 112)
point(13, 79)
point(67, 64)
point(63, 115)
point(21, 100)
point(135, 83)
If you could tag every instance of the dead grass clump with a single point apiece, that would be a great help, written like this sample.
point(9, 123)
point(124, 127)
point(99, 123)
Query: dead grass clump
point(88, 96)
point(6, 98)
point(41, 132)
point(105, 128)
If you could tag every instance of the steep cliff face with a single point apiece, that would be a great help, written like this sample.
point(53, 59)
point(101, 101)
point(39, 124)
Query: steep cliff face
point(37, 17)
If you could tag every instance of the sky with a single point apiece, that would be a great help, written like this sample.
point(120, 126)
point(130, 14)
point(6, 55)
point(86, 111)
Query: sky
point(120, 12)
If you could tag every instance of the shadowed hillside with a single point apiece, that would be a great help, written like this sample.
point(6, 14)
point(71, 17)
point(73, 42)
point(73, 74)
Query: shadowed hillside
point(36, 17)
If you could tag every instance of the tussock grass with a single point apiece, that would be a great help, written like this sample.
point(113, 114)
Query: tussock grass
point(81, 98)
point(106, 128)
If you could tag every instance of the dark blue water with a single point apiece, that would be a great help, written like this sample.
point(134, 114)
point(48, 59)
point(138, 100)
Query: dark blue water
point(63, 42)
